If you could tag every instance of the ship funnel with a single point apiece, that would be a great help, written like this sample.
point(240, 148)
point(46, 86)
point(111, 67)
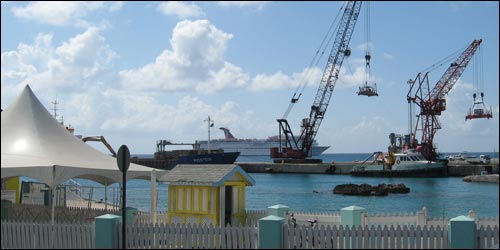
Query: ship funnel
point(227, 134)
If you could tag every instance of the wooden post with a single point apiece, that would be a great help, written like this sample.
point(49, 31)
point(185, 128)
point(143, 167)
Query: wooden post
point(105, 231)
point(352, 216)
point(462, 233)
point(270, 232)
point(278, 210)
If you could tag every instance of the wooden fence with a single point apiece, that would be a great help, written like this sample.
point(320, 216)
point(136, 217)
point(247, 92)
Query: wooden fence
point(23, 235)
point(371, 237)
point(168, 236)
point(186, 236)
point(43, 214)
point(305, 237)
point(487, 237)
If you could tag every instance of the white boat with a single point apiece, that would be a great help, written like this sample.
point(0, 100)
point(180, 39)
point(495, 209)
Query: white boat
point(251, 147)
point(410, 163)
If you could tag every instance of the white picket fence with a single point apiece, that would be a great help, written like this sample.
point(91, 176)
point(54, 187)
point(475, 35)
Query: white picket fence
point(487, 237)
point(43, 214)
point(420, 218)
point(304, 237)
point(16, 235)
point(22, 235)
point(186, 236)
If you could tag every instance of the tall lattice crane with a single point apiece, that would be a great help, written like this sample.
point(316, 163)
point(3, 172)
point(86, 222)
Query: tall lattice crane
point(432, 101)
point(300, 148)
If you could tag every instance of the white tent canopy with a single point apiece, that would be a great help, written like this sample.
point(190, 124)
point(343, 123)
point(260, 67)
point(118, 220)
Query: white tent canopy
point(36, 145)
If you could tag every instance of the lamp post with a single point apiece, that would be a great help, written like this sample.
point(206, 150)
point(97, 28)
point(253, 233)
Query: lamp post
point(123, 160)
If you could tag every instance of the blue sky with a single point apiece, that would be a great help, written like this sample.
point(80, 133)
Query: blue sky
point(136, 72)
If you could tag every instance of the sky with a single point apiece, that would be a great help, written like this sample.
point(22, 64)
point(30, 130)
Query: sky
point(138, 72)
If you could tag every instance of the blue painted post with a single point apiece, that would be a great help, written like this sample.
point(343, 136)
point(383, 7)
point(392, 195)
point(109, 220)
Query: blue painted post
point(462, 233)
point(349, 217)
point(270, 232)
point(278, 210)
point(131, 212)
point(352, 216)
point(104, 231)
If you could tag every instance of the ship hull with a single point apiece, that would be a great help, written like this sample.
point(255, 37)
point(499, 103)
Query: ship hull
point(424, 172)
point(252, 147)
point(168, 164)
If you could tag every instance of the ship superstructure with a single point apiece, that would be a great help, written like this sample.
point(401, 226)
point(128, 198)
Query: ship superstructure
point(250, 147)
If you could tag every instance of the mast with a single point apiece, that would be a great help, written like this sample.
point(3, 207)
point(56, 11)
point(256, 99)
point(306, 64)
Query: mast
point(210, 124)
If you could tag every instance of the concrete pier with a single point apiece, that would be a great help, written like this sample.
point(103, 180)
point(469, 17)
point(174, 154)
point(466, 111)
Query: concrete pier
point(463, 168)
point(455, 168)
point(491, 178)
point(298, 168)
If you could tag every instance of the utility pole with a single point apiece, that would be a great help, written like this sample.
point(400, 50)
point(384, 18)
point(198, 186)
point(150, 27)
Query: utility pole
point(210, 124)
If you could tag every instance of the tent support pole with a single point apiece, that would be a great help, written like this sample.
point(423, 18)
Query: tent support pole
point(52, 202)
point(52, 193)
point(106, 194)
point(153, 195)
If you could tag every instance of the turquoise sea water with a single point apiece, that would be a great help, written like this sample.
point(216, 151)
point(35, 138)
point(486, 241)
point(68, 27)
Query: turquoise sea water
point(443, 197)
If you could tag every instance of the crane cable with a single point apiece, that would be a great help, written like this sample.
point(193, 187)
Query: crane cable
point(314, 62)
point(477, 61)
point(443, 61)
point(368, 44)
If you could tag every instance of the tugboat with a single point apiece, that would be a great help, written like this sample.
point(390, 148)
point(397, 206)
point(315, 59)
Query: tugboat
point(404, 164)
point(399, 161)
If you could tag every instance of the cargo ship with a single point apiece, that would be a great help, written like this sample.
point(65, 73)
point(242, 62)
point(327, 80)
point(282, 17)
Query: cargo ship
point(251, 147)
point(168, 159)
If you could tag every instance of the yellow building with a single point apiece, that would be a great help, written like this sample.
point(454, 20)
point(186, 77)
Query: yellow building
point(207, 194)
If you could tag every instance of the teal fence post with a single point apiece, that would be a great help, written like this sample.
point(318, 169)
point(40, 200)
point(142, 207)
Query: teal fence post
point(105, 231)
point(270, 232)
point(349, 217)
point(131, 212)
point(5, 209)
point(278, 210)
point(352, 216)
point(462, 233)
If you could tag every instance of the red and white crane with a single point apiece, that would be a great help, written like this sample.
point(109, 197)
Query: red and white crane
point(432, 101)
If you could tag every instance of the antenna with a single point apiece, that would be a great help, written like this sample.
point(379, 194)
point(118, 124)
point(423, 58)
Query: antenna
point(55, 102)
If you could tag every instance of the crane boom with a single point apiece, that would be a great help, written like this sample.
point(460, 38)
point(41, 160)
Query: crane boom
point(310, 126)
point(432, 102)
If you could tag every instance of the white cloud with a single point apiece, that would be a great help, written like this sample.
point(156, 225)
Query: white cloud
point(77, 63)
point(365, 46)
point(196, 61)
point(141, 112)
point(180, 9)
point(115, 6)
point(387, 56)
point(62, 13)
point(257, 4)
point(279, 80)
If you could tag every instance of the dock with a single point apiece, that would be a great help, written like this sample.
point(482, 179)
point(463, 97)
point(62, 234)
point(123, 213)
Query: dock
point(454, 168)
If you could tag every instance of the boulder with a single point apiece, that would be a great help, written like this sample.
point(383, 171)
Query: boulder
point(366, 189)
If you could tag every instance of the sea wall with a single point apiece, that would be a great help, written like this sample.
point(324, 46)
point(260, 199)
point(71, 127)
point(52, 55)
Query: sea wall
point(455, 168)
point(492, 178)
point(298, 168)
point(463, 168)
